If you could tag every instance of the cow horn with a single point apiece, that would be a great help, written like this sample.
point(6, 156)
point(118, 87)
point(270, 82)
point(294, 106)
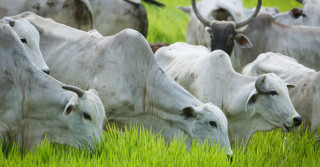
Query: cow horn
point(94, 84)
point(251, 18)
point(259, 87)
point(75, 89)
point(199, 16)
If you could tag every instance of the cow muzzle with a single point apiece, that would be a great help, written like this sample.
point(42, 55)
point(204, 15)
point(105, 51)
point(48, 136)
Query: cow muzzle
point(296, 121)
point(47, 71)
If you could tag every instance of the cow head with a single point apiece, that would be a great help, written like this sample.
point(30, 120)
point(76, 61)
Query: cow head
point(30, 38)
point(84, 115)
point(309, 13)
point(208, 122)
point(224, 33)
point(271, 101)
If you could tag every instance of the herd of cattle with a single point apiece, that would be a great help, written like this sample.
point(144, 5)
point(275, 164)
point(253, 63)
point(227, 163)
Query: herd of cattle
point(183, 89)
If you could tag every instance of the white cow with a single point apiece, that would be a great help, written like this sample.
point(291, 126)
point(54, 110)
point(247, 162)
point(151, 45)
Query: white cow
point(34, 106)
point(77, 13)
point(107, 16)
point(267, 35)
point(308, 15)
point(131, 85)
point(212, 10)
point(112, 16)
point(305, 97)
point(250, 103)
point(30, 38)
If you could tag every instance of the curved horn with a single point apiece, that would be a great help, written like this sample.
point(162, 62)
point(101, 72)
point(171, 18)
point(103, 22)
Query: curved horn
point(75, 89)
point(251, 18)
point(259, 87)
point(94, 84)
point(199, 16)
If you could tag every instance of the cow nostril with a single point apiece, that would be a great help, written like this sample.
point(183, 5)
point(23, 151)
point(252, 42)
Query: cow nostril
point(230, 157)
point(297, 121)
point(46, 71)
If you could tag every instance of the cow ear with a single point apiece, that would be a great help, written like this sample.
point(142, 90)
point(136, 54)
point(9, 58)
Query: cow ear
point(8, 20)
point(295, 13)
point(84, 13)
point(243, 41)
point(290, 86)
point(252, 99)
point(71, 105)
point(189, 112)
point(185, 9)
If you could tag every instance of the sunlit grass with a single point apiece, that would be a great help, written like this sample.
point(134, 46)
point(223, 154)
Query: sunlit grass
point(139, 147)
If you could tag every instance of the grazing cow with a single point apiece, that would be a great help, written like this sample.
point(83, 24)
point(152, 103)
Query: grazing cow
point(107, 16)
point(30, 38)
point(309, 15)
point(34, 106)
point(250, 103)
point(131, 85)
point(305, 97)
point(267, 35)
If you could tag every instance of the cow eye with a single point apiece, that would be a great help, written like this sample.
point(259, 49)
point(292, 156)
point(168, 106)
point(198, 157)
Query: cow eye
point(86, 116)
point(24, 40)
point(303, 15)
point(230, 39)
point(273, 93)
point(213, 123)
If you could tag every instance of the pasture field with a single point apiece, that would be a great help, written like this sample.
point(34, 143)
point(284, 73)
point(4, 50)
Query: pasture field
point(130, 148)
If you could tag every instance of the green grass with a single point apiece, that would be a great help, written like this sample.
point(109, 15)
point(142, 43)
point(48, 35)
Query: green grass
point(130, 148)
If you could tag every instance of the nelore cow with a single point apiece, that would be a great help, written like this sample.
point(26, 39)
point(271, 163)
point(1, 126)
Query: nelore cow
point(77, 13)
point(250, 103)
point(131, 85)
point(224, 33)
point(305, 97)
point(34, 106)
point(308, 15)
point(267, 35)
point(30, 38)
point(213, 23)
point(107, 16)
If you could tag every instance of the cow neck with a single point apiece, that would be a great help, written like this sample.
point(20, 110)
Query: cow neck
point(157, 100)
point(160, 103)
point(242, 131)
